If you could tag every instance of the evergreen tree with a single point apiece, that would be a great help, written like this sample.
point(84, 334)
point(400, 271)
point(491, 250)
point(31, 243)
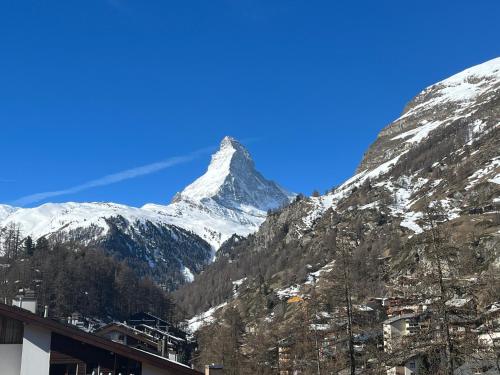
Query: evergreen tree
point(29, 246)
point(42, 245)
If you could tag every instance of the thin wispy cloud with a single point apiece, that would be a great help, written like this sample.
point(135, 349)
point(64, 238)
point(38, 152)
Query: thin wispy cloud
point(112, 178)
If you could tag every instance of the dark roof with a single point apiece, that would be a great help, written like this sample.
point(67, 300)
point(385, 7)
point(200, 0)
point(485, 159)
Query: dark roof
point(127, 330)
point(79, 335)
point(140, 316)
point(399, 317)
point(215, 367)
point(117, 326)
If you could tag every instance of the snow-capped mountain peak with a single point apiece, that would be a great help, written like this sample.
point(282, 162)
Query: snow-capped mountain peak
point(223, 162)
point(233, 182)
point(232, 197)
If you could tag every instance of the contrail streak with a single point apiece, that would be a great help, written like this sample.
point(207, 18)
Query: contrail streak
point(112, 178)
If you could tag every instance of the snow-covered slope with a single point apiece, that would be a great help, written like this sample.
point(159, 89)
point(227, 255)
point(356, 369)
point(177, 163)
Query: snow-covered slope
point(51, 218)
point(467, 100)
point(230, 198)
point(170, 253)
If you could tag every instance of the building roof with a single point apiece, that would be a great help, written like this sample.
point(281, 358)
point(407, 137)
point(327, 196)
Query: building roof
point(25, 316)
point(161, 332)
point(142, 316)
point(399, 317)
point(124, 328)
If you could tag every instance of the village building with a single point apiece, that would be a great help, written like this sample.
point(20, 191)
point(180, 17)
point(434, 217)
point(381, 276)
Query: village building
point(146, 338)
point(395, 306)
point(396, 330)
point(285, 360)
point(34, 345)
point(26, 299)
point(489, 331)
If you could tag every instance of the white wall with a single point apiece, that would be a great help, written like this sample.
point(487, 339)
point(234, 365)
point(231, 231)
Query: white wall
point(29, 304)
point(10, 359)
point(36, 351)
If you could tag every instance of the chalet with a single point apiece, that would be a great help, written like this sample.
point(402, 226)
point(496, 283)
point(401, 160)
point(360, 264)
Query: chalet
point(398, 327)
point(395, 330)
point(148, 319)
point(33, 345)
point(410, 366)
point(395, 306)
point(489, 331)
point(146, 338)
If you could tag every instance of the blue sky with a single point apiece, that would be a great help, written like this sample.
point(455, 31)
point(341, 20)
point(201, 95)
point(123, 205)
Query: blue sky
point(92, 88)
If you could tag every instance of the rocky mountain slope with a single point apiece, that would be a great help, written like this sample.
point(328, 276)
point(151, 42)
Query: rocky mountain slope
point(175, 240)
point(444, 150)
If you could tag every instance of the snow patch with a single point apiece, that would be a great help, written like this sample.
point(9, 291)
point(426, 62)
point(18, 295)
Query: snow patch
point(236, 286)
point(482, 173)
point(410, 221)
point(188, 275)
point(200, 320)
point(314, 276)
point(496, 179)
point(323, 203)
point(291, 291)
point(419, 133)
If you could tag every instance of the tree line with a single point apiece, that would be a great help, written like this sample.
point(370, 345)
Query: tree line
point(69, 277)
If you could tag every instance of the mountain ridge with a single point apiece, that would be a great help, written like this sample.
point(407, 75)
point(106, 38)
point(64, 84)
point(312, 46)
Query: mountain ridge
point(232, 197)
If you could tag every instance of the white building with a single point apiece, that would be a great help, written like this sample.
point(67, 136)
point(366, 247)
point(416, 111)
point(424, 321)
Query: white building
point(26, 300)
point(395, 330)
point(398, 327)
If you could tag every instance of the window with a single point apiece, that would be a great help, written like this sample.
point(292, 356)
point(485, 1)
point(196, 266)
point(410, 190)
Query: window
point(11, 331)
